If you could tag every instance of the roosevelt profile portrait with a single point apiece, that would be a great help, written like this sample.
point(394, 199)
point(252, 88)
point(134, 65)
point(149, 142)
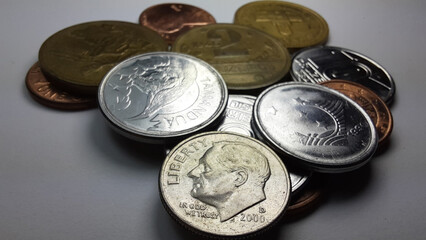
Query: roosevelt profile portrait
point(231, 177)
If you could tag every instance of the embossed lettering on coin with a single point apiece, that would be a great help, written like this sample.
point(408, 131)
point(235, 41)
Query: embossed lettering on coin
point(369, 101)
point(78, 57)
point(224, 184)
point(295, 25)
point(319, 64)
point(162, 95)
point(315, 125)
point(245, 57)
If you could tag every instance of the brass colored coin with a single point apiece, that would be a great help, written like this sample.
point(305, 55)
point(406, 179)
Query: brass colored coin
point(370, 102)
point(222, 184)
point(172, 19)
point(245, 57)
point(77, 58)
point(42, 91)
point(295, 25)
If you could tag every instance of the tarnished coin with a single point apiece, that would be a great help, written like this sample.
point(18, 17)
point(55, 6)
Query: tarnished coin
point(320, 64)
point(315, 126)
point(224, 185)
point(370, 102)
point(294, 25)
point(42, 91)
point(172, 19)
point(238, 115)
point(245, 57)
point(77, 58)
point(155, 97)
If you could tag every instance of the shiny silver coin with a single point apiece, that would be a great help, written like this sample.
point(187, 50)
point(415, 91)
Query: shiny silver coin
point(315, 126)
point(223, 184)
point(238, 116)
point(162, 96)
point(319, 64)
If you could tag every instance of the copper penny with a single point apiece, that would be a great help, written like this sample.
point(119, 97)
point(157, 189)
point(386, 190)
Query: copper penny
point(42, 91)
point(307, 199)
point(375, 107)
point(170, 20)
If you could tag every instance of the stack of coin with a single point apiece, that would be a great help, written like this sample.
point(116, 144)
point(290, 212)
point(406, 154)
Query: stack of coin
point(76, 58)
point(238, 162)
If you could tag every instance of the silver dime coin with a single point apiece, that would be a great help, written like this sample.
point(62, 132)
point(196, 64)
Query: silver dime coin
point(318, 64)
point(162, 96)
point(238, 116)
point(224, 184)
point(315, 126)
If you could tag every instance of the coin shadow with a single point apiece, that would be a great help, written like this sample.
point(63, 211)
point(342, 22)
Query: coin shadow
point(124, 151)
point(347, 186)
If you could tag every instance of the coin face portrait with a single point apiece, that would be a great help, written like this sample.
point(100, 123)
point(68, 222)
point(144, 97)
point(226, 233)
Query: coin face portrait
point(231, 177)
point(224, 184)
point(161, 80)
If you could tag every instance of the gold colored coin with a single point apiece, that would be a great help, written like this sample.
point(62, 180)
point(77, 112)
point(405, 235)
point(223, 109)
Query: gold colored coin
point(223, 184)
point(245, 57)
point(77, 58)
point(375, 107)
point(295, 25)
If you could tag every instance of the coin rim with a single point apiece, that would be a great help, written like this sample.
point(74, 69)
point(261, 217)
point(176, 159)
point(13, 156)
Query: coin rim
point(349, 164)
point(279, 76)
point(196, 230)
point(390, 96)
point(157, 137)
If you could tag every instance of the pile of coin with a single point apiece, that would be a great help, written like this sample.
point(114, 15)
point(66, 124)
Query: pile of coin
point(249, 131)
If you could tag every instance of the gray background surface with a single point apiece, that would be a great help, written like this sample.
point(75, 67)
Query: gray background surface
point(66, 175)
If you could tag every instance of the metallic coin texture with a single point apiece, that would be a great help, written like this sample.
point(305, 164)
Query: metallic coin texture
point(294, 25)
point(172, 19)
point(307, 199)
point(224, 185)
point(370, 102)
point(155, 97)
point(245, 57)
point(320, 64)
point(77, 58)
point(315, 126)
point(238, 115)
point(42, 91)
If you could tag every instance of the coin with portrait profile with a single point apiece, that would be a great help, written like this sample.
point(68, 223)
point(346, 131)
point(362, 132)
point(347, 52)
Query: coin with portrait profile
point(162, 97)
point(172, 19)
point(369, 101)
point(247, 58)
point(222, 184)
point(77, 58)
point(237, 119)
point(315, 127)
point(319, 64)
point(296, 26)
point(44, 92)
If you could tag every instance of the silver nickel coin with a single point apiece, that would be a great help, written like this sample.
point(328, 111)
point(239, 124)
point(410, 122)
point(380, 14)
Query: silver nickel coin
point(222, 184)
point(318, 64)
point(238, 116)
point(159, 96)
point(315, 126)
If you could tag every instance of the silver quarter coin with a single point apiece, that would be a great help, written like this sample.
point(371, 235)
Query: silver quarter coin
point(318, 64)
point(315, 126)
point(222, 184)
point(238, 116)
point(162, 96)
